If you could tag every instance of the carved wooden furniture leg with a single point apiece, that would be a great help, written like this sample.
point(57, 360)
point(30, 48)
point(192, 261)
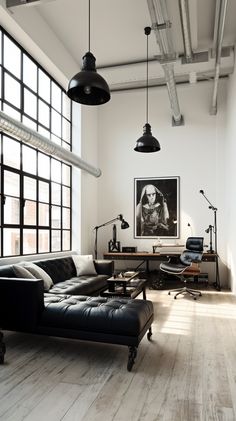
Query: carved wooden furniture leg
point(2, 348)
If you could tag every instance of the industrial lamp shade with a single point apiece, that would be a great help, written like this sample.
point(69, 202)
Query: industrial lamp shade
point(147, 142)
point(88, 87)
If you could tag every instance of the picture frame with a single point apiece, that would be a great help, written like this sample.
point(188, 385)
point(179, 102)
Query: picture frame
point(156, 207)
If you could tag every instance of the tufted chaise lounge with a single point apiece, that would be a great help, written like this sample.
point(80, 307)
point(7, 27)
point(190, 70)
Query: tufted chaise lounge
point(24, 307)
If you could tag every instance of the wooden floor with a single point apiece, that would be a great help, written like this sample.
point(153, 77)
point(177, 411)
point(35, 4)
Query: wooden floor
point(187, 372)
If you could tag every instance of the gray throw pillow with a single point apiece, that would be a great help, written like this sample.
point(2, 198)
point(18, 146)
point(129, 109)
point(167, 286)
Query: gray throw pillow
point(22, 272)
point(39, 273)
point(84, 264)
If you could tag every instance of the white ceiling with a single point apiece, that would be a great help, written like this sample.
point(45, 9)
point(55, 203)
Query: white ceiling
point(117, 36)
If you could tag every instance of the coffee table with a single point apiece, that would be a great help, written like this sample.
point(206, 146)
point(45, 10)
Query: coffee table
point(122, 286)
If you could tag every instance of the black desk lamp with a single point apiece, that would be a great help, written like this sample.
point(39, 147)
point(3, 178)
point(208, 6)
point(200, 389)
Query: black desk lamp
point(124, 225)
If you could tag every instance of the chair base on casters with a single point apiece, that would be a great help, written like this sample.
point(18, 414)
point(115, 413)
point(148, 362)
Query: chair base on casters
point(184, 290)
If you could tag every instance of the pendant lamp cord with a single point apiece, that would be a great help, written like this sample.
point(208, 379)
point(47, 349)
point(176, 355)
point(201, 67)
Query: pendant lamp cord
point(147, 83)
point(89, 26)
point(147, 32)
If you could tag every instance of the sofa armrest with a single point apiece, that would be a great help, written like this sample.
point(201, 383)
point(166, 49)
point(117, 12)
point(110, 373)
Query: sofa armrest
point(104, 267)
point(21, 303)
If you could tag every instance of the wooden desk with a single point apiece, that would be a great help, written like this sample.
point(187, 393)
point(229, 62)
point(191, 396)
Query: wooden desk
point(160, 256)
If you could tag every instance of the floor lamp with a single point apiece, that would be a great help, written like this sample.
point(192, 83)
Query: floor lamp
point(124, 225)
point(214, 228)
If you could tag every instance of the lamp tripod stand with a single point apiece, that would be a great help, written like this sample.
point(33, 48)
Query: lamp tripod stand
point(214, 229)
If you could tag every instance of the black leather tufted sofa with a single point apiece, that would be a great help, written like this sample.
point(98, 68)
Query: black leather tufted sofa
point(63, 273)
point(25, 307)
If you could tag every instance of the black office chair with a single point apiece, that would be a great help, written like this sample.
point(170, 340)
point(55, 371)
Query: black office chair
point(187, 264)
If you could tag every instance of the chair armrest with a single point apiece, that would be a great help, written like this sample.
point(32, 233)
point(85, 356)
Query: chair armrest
point(104, 267)
point(21, 303)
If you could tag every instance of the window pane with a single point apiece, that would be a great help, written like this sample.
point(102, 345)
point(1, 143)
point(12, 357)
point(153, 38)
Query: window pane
point(66, 240)
point(29, 123)
point(43, 241)
point(66, 196)
point(56, 240)
point(66, 174)
point(43, 165)
point(30, 103)
point(55, 170)
point(56, 123)
point(11, 211)
point(66, 130)
point(66, 146)
point(56, 216)
point(44, 113)
point(43, 214)
point(11, 56)
point(29, 241)
point(29, 73)
point(43, 191)
point(11, 241)
point(11, 152)
point(56, 139)
point(29, 188)
point(44, 86)
point(56, 194)
point(66, 106)
point(44, 132)
point(12, 90)
point(66, 218)
point(30, 213)
point(29, 159)
point(11, 183)
point(56, 97)
point(11, 112)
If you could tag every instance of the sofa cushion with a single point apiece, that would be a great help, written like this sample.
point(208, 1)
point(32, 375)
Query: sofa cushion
point(58, 269)
point(84, 285)
point(84, 264)
point(39, 273)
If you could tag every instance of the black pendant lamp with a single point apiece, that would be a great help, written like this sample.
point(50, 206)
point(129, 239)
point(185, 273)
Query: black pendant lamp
point(147, 142)
point(88, 87)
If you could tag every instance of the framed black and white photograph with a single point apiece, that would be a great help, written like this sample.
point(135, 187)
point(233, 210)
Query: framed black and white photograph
point(156, 210)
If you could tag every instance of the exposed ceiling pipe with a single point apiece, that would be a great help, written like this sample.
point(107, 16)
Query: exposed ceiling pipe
point(27, 135)
point(13, 3)
point(220, 31)
point(185, 25)
point(161, 26)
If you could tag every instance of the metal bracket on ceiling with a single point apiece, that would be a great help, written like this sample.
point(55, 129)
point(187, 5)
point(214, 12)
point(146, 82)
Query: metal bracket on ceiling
point(159, 26)
point(167, 58)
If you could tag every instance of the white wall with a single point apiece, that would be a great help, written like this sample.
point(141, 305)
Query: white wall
point(190, 152)
point(230, 187)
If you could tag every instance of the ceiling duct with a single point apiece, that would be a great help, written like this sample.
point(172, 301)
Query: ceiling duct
point(220, 15)
point(185, 25)
point(161, 27)
point(27, 135)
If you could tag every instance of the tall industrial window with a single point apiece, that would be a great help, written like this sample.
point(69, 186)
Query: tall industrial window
point(35, 188)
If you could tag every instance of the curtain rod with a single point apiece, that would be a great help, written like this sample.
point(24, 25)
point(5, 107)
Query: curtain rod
point(27, 135)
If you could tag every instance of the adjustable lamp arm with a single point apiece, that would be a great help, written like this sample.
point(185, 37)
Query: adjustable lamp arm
point(124, 225)
point(211, 206)
point(118, 218)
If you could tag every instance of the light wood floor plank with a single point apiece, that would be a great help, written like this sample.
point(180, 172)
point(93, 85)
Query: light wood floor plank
point(186, 373)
